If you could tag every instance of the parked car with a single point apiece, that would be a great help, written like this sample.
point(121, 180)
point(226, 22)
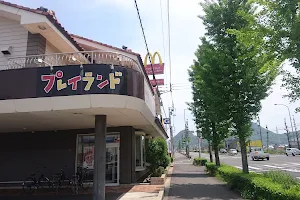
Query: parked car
point(223, 151)
point(292, 151)
point(232, 152)
point(258, 153)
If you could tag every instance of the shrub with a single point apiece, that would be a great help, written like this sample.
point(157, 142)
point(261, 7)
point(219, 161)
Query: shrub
point(157, 154)
point(211, 168)
point(256, 186)
point(283, 178)
point(172, 159)
point(277, 151)
point(158, 172)
point(200, 161)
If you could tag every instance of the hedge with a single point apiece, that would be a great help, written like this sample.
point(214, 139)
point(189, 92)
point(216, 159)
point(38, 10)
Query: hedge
point(211, 168)
point(199, 161)
point(254, 186)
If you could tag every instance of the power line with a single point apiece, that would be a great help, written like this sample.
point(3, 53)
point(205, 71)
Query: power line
point(169, 36)
point(162, 30)
point(146, 44)
point(145, 40)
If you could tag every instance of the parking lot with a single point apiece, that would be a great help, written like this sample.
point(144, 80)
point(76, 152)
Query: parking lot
point(290, 164)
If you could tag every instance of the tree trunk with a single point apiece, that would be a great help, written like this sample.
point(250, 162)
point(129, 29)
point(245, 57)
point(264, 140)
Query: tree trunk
point(244, 155)
point(217, 158)
point(297, 140)
point(216, 144)
point(209, 150)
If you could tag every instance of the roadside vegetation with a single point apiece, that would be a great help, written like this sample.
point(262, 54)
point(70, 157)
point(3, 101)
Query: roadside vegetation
point(157, 156)
point(245, 45)
point(275, 185)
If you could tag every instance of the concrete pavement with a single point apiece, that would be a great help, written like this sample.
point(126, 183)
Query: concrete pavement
point(289, 164)
point(123, 192)
point(110, 196)
point(191, 182)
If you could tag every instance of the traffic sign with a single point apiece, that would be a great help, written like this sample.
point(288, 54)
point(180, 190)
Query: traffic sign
point(167, 121)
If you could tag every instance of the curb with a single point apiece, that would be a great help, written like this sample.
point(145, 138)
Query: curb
point(165, 191)
point(161, 194)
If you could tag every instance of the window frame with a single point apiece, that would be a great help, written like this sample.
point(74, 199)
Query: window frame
point(141, 135)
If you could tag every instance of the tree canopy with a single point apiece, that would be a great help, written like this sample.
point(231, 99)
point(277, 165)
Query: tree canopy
point(230, 75)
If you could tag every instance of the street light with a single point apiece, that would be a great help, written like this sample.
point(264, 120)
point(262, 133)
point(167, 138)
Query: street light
point(40, 61)
point(289, 114)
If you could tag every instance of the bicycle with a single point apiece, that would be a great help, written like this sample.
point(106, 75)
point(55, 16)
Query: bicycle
point(82, 177)
point(60, 178)
point(32, 184)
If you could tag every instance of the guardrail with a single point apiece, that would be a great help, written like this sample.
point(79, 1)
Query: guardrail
point(74, 58)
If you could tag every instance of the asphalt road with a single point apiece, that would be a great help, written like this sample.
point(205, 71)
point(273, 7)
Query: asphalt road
point(289, 164)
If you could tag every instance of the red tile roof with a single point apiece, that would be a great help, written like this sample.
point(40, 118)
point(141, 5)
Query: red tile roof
point(106, 45)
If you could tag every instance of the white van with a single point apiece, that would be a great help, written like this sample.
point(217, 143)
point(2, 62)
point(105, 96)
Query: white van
point(292, 151)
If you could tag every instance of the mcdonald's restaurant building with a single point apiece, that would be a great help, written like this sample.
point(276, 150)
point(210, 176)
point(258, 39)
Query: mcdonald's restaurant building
point(67, 101)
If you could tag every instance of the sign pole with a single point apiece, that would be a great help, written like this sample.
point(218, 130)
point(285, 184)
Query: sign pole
point(171, 132)
point(199, 141)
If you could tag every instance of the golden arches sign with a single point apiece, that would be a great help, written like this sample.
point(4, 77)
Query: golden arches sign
point(155, 68)
point(152, 58)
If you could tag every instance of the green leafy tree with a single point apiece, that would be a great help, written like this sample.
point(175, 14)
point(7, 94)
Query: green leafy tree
point(230, 75)
point(179, 145)
point(282, 27)
point(208, 106)
point(157, 154)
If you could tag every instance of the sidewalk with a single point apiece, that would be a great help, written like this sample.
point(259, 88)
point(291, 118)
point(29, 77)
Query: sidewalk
point(191, 182)
point(124, 192)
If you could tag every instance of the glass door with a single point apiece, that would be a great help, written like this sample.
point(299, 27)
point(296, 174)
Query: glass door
point(85, 157)
point(112, 164)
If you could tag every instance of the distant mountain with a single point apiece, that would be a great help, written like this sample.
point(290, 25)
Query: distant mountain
point(274, 138)
point(193, 141)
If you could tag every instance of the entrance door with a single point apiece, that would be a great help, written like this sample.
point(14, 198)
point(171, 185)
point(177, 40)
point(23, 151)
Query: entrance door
point(85, 157)
point(112, 164)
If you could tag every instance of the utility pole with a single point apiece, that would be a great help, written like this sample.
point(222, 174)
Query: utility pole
point(267, 138)
point(287, 133)
point(186, 138)
point(171, 110)
point(296, 132)
point(182, 142)
point(262, 146)
point(289, 116)
point(199, 142)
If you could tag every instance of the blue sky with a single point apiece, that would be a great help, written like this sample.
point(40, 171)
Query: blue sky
point(115, 22)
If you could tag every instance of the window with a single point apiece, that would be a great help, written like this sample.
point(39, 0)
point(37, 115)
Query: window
point(85, 156)
point(140, 153)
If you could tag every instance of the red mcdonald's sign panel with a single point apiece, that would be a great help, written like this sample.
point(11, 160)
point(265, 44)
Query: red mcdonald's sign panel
point(158, 82)
point(157, 68)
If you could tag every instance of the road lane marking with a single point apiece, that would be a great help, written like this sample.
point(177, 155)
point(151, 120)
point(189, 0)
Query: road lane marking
point(256, 168)
point(294, 163)
point(280, 164)
point(292, 170)
point(273, 166)
point(238, 167)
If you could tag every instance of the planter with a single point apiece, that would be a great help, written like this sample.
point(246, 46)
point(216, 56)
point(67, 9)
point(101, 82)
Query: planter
point(160, 180)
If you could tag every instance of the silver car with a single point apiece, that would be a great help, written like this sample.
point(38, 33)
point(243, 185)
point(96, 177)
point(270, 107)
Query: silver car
point(259, 154)
point(232, 152)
